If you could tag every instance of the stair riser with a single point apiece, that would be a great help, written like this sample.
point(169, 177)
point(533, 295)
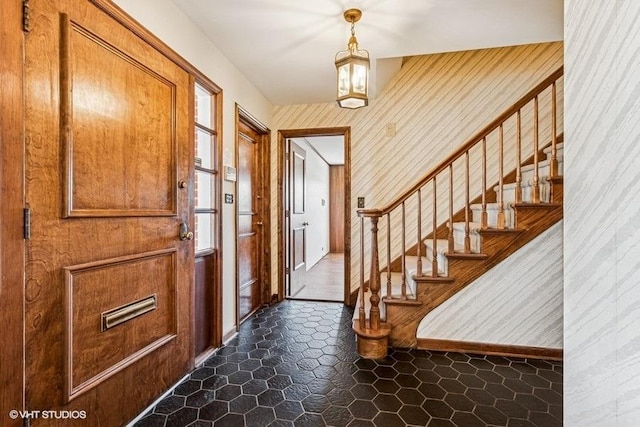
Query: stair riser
point(559, 152)
point(509, 193)
point(492, 215)
point(475, 240)
point(544, 170)
point(443, 261)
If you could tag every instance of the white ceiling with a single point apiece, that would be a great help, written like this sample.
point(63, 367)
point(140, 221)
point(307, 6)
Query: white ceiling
point(330, 148)
point(287, 47)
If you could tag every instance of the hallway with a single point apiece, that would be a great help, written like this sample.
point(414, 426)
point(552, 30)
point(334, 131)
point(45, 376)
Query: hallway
point(295, 364)
point(325, 280)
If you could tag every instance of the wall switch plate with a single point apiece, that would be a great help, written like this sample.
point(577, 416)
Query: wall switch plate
point(360, 202)
point(228, 198)
point(390, 129)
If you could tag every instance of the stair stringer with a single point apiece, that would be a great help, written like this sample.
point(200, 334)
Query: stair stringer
point(531, 221)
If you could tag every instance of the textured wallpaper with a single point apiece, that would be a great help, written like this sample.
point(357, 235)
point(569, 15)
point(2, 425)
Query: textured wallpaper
point(518, 302)
point(436, 102)
point(602, 214)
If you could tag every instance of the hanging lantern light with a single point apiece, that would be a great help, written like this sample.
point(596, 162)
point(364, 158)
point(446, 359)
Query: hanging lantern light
point(353, 69)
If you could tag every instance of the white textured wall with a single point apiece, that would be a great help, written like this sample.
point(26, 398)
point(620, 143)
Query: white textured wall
point(518, 302)
point(317, 215)
point(167, 21)
point(602, 213)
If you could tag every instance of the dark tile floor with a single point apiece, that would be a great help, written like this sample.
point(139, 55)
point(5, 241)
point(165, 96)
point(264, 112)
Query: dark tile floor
point(295, 364)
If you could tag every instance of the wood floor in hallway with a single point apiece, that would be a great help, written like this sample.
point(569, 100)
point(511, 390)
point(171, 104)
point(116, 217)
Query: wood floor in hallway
point(325, 280)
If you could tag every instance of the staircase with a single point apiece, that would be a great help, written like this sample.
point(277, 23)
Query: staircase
point(441, 235)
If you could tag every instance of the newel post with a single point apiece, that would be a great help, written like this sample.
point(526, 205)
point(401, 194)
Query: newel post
point(374, 275)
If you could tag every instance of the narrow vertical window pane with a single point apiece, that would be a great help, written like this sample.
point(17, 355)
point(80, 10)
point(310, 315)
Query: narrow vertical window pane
point(203, 106)
point(204, 190)
point(204, 148)
point(204, 231)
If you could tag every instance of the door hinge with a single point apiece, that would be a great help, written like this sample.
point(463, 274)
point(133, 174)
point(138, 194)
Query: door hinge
point(27, 223)
point(286, 214)
point(286, 270)
point(26, 422)
point(26, 16)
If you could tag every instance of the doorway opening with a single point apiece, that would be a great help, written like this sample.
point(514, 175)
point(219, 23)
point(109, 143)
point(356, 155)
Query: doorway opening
point(314, 209)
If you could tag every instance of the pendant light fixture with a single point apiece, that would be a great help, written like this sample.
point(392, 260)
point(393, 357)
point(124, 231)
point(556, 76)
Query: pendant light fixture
point(353, 69)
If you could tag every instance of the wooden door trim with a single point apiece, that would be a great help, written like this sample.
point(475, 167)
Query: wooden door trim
point(283, 135)
point(12, 249)
point(264, 191)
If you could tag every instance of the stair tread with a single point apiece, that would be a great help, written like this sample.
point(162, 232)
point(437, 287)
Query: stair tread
point(537, 205)
point(542, 180)
point(490, 206)
point(430, 279)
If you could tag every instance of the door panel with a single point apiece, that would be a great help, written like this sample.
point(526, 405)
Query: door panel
point(248, 205)
point(205, 308)
point(90, 66)
point(95, 353)
point(108, 292)
point(297, 194)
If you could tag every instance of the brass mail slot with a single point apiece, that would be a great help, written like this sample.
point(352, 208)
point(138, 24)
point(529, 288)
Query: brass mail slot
point(127, 312)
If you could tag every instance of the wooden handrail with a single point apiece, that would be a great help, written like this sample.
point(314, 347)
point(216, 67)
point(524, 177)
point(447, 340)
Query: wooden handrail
point(470, 143)
point(479, 138)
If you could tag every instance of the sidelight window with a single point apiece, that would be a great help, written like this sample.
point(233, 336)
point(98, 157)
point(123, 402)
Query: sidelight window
point(206, 149)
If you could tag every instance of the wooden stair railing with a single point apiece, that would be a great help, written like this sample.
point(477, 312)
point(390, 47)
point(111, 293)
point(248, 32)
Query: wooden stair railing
point(373, 333)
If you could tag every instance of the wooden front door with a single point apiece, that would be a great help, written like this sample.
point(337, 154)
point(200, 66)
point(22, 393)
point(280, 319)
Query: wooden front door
point(250, 222)
point(108, 280)
point(297, 209)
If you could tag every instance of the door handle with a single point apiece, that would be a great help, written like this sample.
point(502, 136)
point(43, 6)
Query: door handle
point(305, 223)
point(185, 233)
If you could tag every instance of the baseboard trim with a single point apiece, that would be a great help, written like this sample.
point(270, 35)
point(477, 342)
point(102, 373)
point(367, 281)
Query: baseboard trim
point(490, 349)
point(204, 356)
point(227, 337)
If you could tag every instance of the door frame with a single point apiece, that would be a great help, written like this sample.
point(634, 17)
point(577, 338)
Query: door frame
point(283, 135)
point(264, 191)
point(12, 245)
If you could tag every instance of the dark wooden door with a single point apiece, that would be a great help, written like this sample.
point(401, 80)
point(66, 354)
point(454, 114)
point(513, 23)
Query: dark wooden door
point(249, 289)
point(108, 291)
point(297, 208)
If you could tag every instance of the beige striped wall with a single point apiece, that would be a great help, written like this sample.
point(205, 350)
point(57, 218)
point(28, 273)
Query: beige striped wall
point(436, 103)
